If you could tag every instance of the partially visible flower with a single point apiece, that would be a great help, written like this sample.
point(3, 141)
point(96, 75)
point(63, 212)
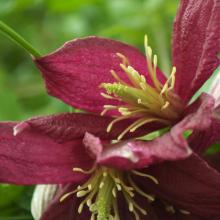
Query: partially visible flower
point(42, 196)
point(112, 178)
point(215, 92)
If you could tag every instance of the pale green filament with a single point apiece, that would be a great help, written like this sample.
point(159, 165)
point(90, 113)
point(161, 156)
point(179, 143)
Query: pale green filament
point(142, 101)
point(100, 193)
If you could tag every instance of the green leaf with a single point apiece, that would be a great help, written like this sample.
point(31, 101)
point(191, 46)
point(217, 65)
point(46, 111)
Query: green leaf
point(10, 194)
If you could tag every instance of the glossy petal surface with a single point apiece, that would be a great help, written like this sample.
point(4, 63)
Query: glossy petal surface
point(196, 43)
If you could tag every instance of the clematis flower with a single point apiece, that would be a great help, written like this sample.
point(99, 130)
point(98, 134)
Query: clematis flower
point(138, 152)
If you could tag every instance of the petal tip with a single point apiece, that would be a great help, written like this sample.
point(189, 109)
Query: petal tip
point(20, 128)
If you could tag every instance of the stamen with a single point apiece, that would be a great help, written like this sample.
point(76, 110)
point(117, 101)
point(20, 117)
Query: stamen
point(67, 195)
point(114, 192)
point(118, 187)
point(165, 105)
point(136, 215)
point(145, 175)
point(92, 217)
point(80, 208)
point(170, 209)
point(173, 78)
point(152, 70)
point(116, 120)
point(104, 112)
point(137, 189)
point(101, 185)
point(131, 206)
point(82, 193)
point(107, 108)
point(142, 99)
point(142, 122)
point(105, 182)
point(125, 60)
point(184, 212)
point(132, 74)
point(139, 208)
point(134, 126)
point(115, 207)
point(117, 78)
point(77, 169)
point(108, 96)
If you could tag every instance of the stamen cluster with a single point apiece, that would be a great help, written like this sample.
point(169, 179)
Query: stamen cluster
point(145, 101)
point(101, 191)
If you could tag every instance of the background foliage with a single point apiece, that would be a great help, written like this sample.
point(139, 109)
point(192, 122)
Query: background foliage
point(48, 24)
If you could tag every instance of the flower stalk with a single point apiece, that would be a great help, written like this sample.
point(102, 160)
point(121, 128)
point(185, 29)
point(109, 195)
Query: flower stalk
point(13, 35)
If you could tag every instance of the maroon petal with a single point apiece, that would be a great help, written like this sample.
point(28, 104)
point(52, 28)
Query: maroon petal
point(70, 126)
point(201, 140)
point(191, 185)
point(170, 146)
point(66, 210)
point(160, 209)
point(138, 154)
point(74, 72)
point(196, 43)
point(34, 158)
point(214, 160)
point(179, 216)
point(125, 214)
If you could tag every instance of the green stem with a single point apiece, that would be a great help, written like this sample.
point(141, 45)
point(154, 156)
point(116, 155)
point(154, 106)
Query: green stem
point(10, 33)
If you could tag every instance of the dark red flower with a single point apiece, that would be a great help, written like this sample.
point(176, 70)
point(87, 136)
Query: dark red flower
point(138, 100)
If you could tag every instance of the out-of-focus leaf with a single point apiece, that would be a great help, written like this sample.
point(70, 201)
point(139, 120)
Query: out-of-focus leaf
point(9, 193)
point(10, 108)
point(213, 149)
point(66, 6)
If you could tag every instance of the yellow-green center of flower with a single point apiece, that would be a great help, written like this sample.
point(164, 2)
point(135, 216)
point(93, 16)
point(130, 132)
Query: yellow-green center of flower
point(100, 193)
point(143, 101)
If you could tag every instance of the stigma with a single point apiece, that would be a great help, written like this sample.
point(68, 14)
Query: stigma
point(101, 191)
point(142, 100)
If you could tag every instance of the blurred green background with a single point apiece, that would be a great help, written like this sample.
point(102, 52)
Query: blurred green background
point(47, 25)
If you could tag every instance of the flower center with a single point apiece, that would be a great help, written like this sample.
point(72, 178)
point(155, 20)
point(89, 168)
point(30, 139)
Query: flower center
point(101, 192)
point(141, 100)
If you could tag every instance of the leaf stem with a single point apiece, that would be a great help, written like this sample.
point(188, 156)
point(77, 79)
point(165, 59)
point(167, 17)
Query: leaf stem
point(10, 33)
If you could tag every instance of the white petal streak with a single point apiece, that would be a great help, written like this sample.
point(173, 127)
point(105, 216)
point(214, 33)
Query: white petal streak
point(42, 196)
point(215, 90)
